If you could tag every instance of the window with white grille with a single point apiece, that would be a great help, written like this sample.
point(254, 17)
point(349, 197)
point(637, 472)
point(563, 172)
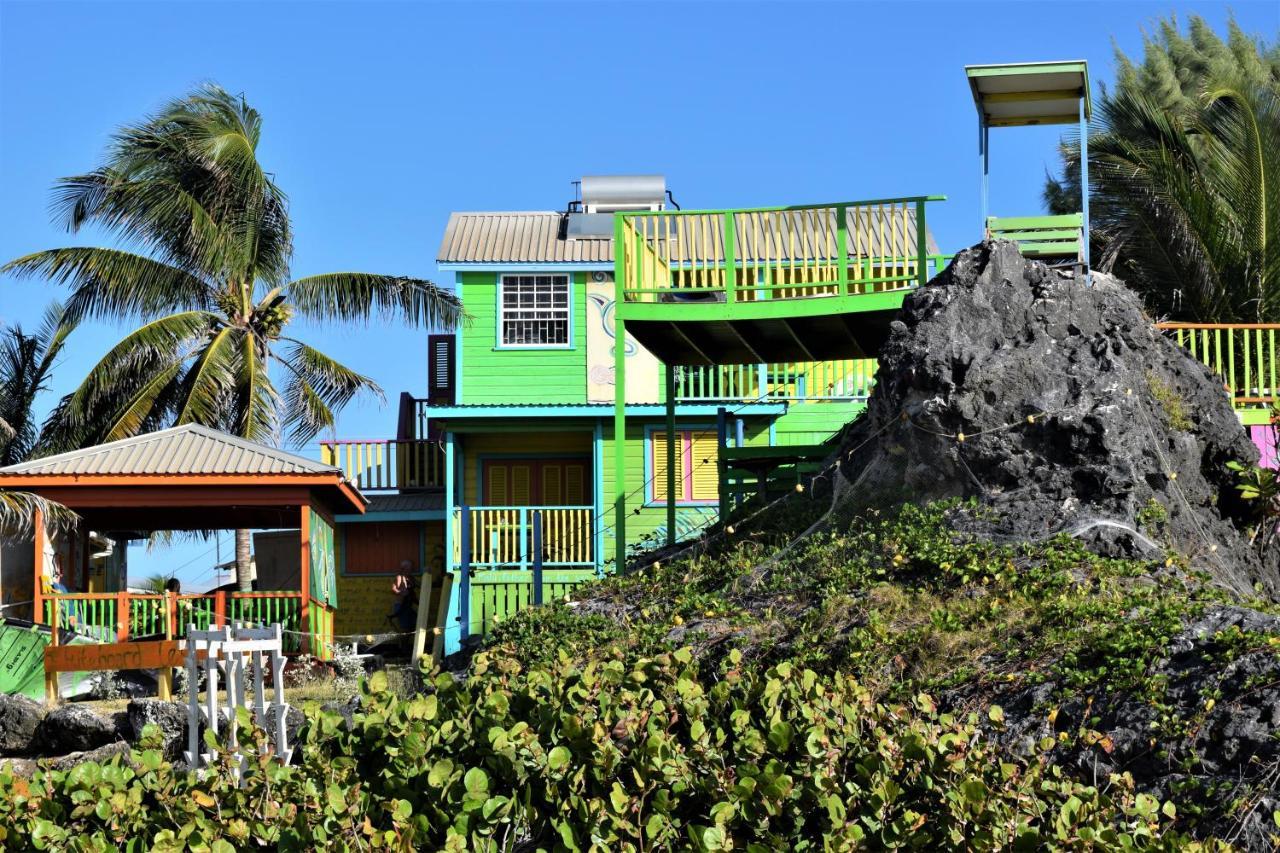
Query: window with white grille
point(535, 310)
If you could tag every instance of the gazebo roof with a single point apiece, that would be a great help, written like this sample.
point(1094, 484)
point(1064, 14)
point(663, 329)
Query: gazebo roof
point(187, 450)
point(186, 477)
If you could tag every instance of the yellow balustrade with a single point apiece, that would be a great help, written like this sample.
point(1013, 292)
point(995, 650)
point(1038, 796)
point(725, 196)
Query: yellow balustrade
point(503, 536)
point(375, 465)
point(1244, 355)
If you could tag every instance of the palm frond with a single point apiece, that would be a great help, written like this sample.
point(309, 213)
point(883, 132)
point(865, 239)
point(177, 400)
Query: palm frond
point(113, 284)
point(363, 297)
point(318, 387)
point(18, 512)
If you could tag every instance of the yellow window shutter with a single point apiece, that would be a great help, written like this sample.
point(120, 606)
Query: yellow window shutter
point(706, 475)
point(521, 494)
point(574, 479)
point(497, 486)
point(658, 446)
point(552, 492)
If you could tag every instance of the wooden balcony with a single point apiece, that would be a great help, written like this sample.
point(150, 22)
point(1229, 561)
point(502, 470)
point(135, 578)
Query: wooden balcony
point(122, 617)
point(806, 283)
point(387, 465)
point(1244, 355)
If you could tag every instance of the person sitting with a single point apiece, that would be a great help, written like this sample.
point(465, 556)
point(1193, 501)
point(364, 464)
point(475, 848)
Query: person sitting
point(404, 608)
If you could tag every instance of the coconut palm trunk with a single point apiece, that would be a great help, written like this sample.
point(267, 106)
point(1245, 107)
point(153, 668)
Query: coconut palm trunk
point(244, 560)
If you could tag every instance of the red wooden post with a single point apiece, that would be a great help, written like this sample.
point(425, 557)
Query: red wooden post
point(304, 575)
point(220, 608)
point(122, 616)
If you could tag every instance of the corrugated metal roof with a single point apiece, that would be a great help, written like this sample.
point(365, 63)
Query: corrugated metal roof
point(408, 502)
point(177, 451)
point(534, 236)
point(517, 236)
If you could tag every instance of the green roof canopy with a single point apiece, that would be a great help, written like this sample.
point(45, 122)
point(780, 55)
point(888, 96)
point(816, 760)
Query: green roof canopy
point(1030, 92)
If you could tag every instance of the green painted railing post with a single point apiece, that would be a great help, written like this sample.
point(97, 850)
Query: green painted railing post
point(842, 247)
point(922, 246)
point(620, 273)
point(730, 259)
point(671, 454)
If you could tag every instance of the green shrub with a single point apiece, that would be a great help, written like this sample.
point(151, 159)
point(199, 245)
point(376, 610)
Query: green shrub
point(608, 757)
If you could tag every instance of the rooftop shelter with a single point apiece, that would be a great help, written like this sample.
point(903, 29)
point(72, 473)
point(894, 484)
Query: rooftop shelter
point(1032, 94)
point(187, 478)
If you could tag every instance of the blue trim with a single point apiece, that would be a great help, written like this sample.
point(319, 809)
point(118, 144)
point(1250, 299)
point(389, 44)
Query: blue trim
point(649, 430)
point(598, 410)
point(499, 346)
point(403, 515)
point(597, 451)
point(452, 635)
point(528, 267)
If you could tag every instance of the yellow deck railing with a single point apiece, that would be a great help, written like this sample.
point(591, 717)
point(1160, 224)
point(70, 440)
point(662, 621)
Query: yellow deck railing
point(1244, 355)
point(508, 536)
point(387, 464)
point(849, 379)
point(774, 253)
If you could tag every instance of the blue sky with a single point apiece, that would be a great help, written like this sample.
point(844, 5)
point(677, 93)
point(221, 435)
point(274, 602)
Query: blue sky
point(381, 118)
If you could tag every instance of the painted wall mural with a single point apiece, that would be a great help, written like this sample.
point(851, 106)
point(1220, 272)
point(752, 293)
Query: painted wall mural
point(643, 375)
point(324, 562)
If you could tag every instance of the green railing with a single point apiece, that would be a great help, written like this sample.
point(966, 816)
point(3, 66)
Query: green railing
point(1244, 355)
point(753, 254)
point(850, 379)
point(118, 617)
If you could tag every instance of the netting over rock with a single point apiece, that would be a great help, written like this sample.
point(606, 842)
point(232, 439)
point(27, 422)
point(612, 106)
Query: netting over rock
point(1060, 408)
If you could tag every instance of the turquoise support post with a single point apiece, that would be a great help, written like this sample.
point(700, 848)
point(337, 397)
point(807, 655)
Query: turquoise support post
point(671, 454)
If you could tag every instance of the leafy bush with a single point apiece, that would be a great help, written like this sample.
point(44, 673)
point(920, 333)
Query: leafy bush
point(607, 757)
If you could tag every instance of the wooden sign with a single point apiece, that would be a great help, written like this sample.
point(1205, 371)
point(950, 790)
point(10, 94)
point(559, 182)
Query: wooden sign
point(154, 654)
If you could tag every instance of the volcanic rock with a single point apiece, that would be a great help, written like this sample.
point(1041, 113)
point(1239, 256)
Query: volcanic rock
point(1059, 407)
point(19, 717)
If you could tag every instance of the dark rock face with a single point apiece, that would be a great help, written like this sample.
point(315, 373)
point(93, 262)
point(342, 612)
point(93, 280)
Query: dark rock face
point(1216, 732)
point(169, 717)
point(1077, 416)
point(19, 718)
point(73, 728)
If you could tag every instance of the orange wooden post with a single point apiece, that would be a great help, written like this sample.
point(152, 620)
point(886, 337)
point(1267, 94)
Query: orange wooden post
point(122, 616)
point(220, 608)
point(304, 575)
point(37, 588)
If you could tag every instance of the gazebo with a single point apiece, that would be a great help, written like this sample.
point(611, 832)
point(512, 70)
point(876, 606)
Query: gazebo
point(187, 478)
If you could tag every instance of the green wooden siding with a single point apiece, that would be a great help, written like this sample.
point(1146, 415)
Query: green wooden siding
point(648, 523)
point(532, 376)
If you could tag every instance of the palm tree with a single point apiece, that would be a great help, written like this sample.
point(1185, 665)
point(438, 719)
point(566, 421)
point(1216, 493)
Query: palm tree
point(206, 274)
point(1187, 203)
point(26, 362)
point(1184, 176)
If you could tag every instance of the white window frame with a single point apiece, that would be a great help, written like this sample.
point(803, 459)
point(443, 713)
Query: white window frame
point(557, 278)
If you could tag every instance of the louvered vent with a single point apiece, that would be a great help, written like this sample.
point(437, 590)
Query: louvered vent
point(441, 370)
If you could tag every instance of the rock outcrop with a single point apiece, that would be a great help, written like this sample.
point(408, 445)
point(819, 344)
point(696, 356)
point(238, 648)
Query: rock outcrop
point(19, 717)
point(1060, 408)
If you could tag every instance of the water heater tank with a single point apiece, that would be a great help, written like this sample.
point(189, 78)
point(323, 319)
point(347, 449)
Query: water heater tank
point(609, 193)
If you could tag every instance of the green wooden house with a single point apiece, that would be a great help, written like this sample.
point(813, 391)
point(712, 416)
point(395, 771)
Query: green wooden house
point(514, 442)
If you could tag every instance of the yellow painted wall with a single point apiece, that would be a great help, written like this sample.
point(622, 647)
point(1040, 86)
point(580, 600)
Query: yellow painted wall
point(365, 601)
